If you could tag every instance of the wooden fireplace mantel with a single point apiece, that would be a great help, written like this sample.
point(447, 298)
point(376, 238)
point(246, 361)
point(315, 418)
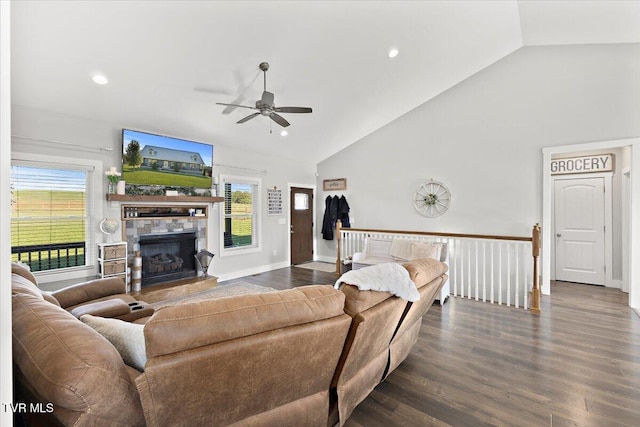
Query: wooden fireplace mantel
point(163, 199)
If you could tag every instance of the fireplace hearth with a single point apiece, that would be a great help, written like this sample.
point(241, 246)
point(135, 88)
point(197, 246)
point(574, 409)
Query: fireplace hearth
point(167, 257)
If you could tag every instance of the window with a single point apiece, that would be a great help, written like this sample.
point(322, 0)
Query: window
point(301, 201)
point(49, 215)
point(241, 214)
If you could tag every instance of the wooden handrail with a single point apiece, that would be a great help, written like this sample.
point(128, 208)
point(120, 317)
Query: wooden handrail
point(434, 233)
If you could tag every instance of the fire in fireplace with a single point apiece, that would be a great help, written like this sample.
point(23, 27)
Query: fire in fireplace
point(167, 256)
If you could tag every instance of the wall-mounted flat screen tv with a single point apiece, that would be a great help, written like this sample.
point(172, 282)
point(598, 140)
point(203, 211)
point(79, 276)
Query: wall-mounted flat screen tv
point(149, 159)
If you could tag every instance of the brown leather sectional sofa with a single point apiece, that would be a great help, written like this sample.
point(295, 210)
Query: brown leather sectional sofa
point(305, 356)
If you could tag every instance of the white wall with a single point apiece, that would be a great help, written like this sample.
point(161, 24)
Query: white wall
point(275, 236)
point(5, 209)
point(483, 139)
point(97, 136)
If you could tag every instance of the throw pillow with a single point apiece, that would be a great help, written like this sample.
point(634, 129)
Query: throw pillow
point(127, 338)
point(425, 250)
point(401, 249)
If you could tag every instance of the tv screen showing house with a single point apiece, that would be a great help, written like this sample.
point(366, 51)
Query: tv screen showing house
point(149, 159)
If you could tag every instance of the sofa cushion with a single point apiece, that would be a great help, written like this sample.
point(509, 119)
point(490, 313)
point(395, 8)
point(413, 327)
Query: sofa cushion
point(423, 271)
point(357, 301)
point(181, 327)
point(71, 365)
point(21, 285)
point(24, 271)
point(49, 297)
point(127, 338)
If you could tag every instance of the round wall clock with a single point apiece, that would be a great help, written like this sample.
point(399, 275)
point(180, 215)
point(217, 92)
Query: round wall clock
point(432, 199)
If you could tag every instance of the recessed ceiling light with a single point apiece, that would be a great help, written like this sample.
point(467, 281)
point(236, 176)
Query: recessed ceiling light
point(99, 79)
point(284, 133)
point(393, 53)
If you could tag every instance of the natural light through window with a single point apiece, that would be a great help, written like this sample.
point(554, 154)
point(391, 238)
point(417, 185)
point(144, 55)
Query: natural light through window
point(241, 206)
point(49, 218)
point(301, 201)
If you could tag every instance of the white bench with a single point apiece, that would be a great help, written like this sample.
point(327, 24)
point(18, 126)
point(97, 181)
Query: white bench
point(378, 251)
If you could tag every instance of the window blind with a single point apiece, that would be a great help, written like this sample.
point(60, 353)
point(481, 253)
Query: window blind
point(48, 216)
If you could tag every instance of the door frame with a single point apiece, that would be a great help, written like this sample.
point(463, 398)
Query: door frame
point(312, 187)
point(626, 219)
point(634, 240)
point(608, 223)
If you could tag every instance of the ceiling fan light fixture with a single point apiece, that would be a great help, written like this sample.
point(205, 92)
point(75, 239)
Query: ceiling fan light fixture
point(393, 52)
point(99, 79)
point(284, 133)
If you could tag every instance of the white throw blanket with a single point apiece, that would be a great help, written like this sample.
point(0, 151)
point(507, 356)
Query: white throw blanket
point(388, 277)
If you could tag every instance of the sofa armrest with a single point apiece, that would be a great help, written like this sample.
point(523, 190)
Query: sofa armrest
point(106, 308)
point(89, 291)
point(358, 256)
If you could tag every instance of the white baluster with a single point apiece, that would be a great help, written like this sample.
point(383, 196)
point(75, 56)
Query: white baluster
point(499, 274)
point(491, 251)
point(508, 274)
point(517, 277)
point(469, 270)
point(477, 269)
point(484, 272)
point(452, 267)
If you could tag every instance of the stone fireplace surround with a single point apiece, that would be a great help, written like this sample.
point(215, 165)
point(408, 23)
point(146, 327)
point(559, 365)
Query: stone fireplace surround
point(155, 226)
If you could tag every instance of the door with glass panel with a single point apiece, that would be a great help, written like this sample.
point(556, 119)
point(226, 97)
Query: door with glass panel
point(301, 207)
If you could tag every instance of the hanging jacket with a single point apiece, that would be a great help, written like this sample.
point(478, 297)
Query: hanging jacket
point(343, 212)
point(327, 226)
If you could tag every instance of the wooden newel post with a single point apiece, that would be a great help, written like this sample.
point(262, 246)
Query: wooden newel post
point(535, 291)
point(339, 239)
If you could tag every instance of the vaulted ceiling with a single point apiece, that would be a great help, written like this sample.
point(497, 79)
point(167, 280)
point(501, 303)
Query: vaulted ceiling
point(169, 62)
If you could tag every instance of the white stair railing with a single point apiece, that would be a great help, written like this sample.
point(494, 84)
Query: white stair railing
point(494, 269)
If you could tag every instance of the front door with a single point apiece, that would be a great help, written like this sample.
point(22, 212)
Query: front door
point(301, 206)
point(579, 230)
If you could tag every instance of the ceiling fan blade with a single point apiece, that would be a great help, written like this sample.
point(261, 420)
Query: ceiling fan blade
point(236, 105)
point(267, 98)
point(231, 108)
point(212, 90)
point(249, 117)
point(293, 110)
point(279, 120)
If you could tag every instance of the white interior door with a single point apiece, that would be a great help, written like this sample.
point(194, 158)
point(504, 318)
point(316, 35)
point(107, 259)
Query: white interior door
point(579, 230)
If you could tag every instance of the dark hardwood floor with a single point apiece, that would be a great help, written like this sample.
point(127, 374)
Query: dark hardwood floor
point(475, 364)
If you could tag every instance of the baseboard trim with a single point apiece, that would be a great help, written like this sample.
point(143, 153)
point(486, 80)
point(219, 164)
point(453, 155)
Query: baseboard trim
point(614, 284)
point(325, 258)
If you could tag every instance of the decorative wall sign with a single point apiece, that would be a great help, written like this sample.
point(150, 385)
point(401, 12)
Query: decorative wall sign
point(274, 201)
point(334, 184)
point(582, 164)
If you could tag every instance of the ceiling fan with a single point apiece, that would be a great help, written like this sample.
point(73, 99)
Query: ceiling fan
point(266, 107)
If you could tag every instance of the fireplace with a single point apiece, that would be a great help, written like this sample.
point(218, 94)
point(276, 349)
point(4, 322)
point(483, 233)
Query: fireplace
point(167, 257)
